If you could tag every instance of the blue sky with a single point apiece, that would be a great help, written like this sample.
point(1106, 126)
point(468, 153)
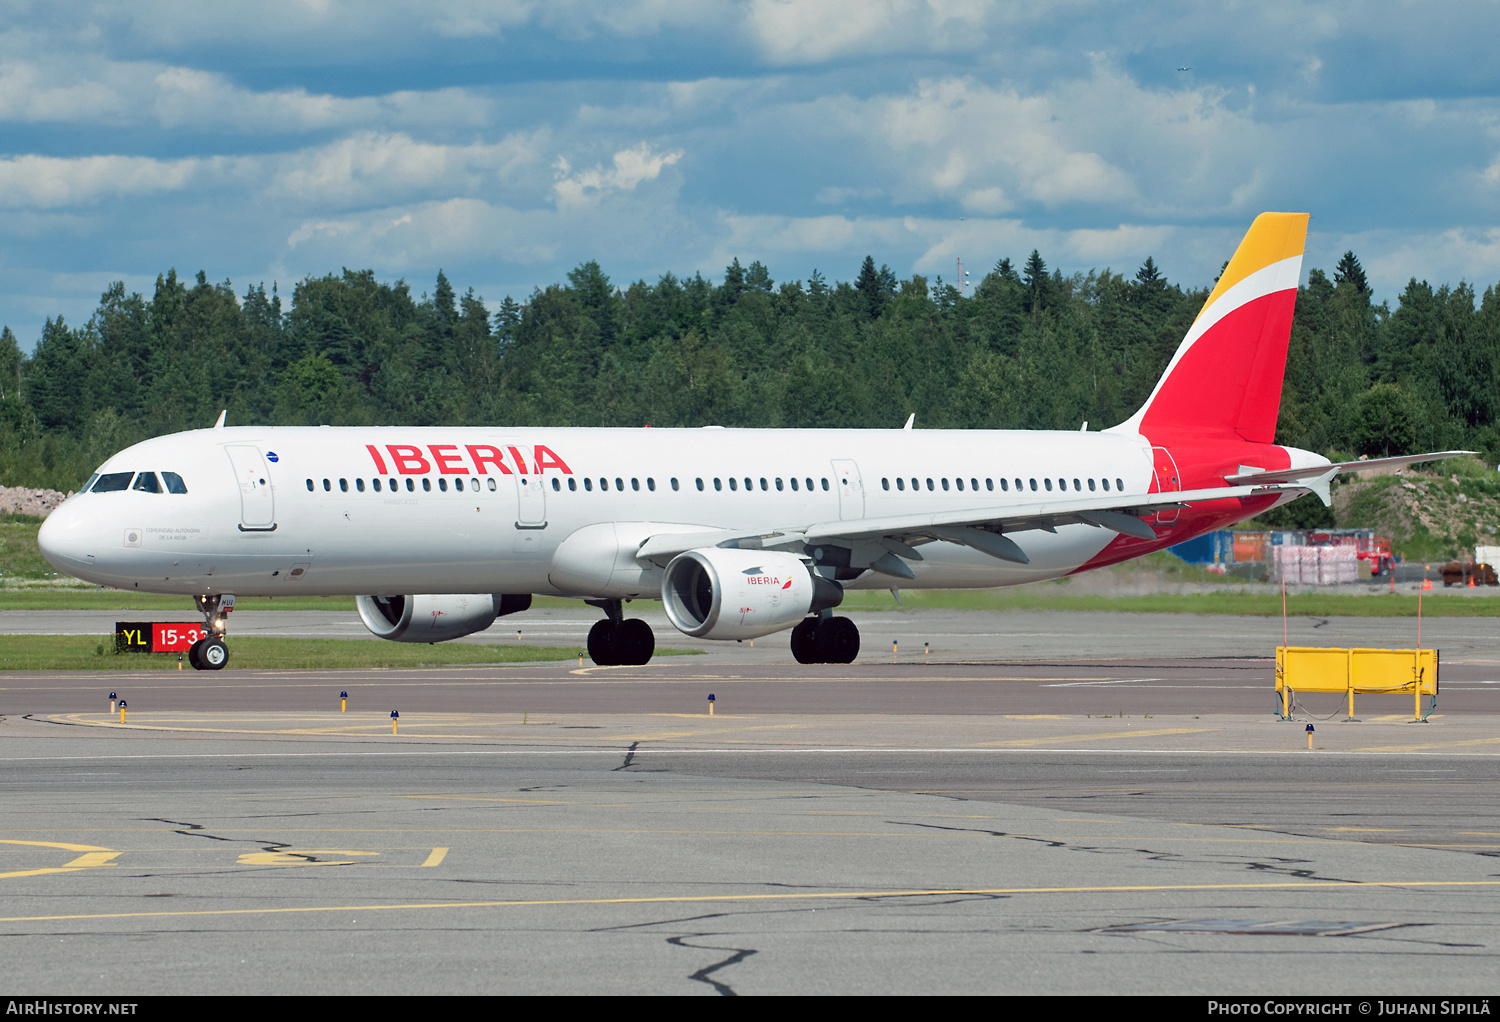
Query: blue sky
point(507, 142)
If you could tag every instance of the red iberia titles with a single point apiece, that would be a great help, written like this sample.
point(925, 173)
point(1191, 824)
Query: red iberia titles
point(450, 459)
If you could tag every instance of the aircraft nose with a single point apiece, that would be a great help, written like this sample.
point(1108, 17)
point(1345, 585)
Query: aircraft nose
point(66, 541)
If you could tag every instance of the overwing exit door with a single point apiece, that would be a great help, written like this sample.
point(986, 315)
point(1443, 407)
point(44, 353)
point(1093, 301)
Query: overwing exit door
point(851, 490)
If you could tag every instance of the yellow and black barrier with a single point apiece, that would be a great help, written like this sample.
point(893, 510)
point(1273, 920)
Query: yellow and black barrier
point(1367, 671)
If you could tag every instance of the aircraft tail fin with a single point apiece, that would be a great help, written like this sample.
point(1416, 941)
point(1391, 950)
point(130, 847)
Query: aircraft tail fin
point(1225, 378)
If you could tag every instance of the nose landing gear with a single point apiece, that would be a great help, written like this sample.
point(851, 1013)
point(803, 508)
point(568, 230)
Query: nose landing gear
point(210, 653)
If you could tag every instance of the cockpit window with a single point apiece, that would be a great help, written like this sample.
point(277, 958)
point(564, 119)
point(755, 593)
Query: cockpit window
point(109, 482)
point(174, 482)
point(146, 483)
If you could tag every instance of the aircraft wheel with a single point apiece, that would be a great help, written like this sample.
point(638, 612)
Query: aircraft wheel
point(635, 642)
point(603, 647)
point(193, 651)
point(805, 641)
point(214, 654)
point(838, 641)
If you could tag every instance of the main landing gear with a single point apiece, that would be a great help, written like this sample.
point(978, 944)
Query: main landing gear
point(210, 652)
point(825, 640)
point(618, 640)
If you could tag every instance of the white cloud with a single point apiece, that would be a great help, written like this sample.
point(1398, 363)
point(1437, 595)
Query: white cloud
point(630, 167)
point(812, 31)
point(370, 167)
point(47, 182)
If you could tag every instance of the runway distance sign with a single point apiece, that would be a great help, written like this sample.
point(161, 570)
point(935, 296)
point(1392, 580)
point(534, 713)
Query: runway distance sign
point(156, 636)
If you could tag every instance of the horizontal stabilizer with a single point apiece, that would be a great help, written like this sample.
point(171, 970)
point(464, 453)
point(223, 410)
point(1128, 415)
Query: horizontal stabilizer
point(1287, 475)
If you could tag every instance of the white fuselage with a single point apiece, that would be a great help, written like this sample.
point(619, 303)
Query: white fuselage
point(281, 511)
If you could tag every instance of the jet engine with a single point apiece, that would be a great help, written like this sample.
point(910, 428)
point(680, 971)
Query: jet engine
point(429, 618)
point(717, 593)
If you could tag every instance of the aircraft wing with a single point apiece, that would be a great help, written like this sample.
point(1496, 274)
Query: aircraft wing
point(885, 542)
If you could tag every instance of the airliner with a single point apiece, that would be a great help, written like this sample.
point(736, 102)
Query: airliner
point(437, 531)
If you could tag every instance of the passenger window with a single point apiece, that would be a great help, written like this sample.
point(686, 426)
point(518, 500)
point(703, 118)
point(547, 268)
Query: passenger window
point(572, 484)
point(390, 484)
point(885, 484)
point(474, 485)
point(778, 483)
point(1033, 485)
point(718, 485)
point(1062, 484)
point(900, 483)
point(825, 484)
point(427, 484)
point(810, 484)
point(1004, 485)
point(443, 484)
point(1091, 486)
point(588, 484)
point(309, 486)
point(146, 483)
point(375, 484)
point(174, 482)
point(915, 484)
point(945, 484)
point(1076, 486)
point(674, 484)
point(733, 483)
point(929, 483)
point(492, 485)
point(620, 484)
point(327, 486)
point(794, 484)
point(344, 485)
point(1047, 483)
point(699, 481)
point(603, 484)
point(556, 484)
point(1120, 485)
point(764, 487)
point(635, 484)
point(749, 483)
point(651, 484)
point(974, 485)
point(411, 484)
point(359, 484)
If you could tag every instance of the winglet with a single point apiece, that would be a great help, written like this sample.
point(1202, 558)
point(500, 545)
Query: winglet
point(909, 420)
point(220, 423)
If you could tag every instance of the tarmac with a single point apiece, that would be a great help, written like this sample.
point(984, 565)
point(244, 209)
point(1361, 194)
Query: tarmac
point(1035, 803)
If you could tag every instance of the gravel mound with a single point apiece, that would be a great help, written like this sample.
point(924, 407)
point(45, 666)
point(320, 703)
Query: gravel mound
point(23, 500)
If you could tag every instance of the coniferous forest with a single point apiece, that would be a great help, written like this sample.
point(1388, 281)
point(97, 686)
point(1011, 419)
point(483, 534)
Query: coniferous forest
point(1025, 348)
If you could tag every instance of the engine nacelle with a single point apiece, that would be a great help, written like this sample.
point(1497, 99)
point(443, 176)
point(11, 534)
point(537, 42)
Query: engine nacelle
point(716, 593)
point(429, 618)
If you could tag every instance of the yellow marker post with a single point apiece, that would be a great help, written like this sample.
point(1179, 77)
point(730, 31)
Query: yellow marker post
point(894, 647)
point(926, 648)
point(394, 718)
point(710, 704)
point(179, 661)
point(1309, 738)
point(122, 711)
point(343, 702)
point(111, 702)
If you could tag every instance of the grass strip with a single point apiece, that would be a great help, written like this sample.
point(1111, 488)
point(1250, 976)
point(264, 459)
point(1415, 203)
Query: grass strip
point(260, 653)
point(1235, 602)
point(1238, 599)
